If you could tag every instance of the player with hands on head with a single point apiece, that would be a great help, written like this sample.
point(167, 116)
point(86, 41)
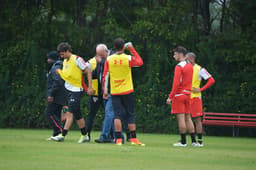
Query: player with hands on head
point(117, 70)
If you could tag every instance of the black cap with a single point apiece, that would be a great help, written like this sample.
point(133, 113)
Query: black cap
point(54, 55)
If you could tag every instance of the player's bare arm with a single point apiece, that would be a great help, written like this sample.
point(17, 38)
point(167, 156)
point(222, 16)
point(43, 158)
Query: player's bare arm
point(88, 72)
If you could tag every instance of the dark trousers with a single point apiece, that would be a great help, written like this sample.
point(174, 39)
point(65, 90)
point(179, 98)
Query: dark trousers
point(95, 102)
point(53, 115)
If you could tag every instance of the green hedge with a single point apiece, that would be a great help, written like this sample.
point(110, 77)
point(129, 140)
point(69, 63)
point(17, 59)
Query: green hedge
point(154, 28)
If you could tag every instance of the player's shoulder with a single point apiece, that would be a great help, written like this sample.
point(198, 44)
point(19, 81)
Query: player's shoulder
point(202, 69)
point(197, 66)
point(92, 60)
point(111, 56)
point(116, 55)
point(58, 63)
point(76, 57)
point(184, 63)
point(204, 73)
point(79, 58)
point(111, 52)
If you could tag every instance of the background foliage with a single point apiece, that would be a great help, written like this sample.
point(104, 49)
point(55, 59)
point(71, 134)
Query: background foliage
point(220, 32)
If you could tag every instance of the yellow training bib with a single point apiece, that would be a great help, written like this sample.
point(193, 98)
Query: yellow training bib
point(71, 73)
point(120, 74)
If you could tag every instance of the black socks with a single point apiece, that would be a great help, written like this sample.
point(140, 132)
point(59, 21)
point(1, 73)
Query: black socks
point(128, 136)
point(64, 132)
point(118, 135)
point(193, 138)
point(133, 134)
point(183, 138)
point(200, 136)
point(83, 131)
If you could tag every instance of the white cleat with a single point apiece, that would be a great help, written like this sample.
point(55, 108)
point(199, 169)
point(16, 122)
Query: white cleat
point(83, 138)
point(48, 139)
point(194, 144)
point(58, 138)
point(179, 145)
point(200, 145)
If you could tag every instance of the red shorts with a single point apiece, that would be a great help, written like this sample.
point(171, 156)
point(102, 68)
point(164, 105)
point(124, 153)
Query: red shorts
point(196, 107)
point(181, 104)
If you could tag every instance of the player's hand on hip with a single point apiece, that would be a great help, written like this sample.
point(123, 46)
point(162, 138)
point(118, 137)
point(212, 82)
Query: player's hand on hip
point(169, 101)
point(195, 90)
point(50, 99)
point(105, 96)
point(90, 91)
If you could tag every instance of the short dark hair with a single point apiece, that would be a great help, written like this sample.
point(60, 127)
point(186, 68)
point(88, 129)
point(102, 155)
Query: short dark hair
point(63, 47)
point(180, 49)
point(119, 44)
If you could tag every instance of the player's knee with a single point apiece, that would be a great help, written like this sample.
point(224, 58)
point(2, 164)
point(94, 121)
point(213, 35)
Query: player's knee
point(188, 118)
point(117, 117)
point(131, 120)
point(197, 120)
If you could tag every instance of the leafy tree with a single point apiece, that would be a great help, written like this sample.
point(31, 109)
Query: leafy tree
point(220, 32)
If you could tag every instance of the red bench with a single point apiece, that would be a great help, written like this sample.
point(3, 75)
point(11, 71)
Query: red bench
point(229, 119)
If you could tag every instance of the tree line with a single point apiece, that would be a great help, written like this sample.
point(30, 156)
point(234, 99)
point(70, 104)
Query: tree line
point(220, 32)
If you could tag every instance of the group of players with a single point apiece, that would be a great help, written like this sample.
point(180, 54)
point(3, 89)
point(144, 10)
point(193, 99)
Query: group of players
point(112, 76)
point(185, 96)
point(110, 84)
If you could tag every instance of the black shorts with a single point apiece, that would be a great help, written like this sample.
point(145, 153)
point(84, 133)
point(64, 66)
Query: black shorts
point(123, 106)
point(74, 104)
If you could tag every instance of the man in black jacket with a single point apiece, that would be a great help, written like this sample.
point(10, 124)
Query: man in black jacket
point(56, 93)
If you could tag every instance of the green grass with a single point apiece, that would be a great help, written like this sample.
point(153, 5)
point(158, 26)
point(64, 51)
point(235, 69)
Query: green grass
point(27, 149)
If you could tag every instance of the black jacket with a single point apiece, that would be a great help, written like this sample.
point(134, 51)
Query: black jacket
point(55, 85)
point(98, 74)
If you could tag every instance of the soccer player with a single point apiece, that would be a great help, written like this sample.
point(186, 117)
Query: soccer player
point(73, 69)
point(56, 94)
point(199, 73)
point(118, 68)
point(179, 97)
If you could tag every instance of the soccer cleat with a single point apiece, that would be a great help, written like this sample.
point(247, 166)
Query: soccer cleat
point(100, 140)
point(83, 138)
point(48, 139)
point(200, 144)
point(194, 144)
point(58, 138)
point(135, 141)
point(119, 142)
point(179, 145)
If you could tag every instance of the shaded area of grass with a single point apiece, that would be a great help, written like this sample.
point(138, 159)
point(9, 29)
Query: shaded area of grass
point(28, 149)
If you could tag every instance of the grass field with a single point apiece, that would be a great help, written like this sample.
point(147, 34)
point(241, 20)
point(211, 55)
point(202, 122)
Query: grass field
point(28, 149)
